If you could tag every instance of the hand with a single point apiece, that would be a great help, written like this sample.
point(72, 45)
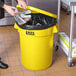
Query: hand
point(10, 10)
point(22, 4)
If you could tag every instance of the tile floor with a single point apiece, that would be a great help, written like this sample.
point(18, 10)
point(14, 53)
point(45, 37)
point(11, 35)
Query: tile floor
point(10, 53)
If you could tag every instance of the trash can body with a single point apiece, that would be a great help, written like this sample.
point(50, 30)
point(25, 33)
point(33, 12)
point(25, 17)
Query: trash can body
point(36, 52)
point(36, 47)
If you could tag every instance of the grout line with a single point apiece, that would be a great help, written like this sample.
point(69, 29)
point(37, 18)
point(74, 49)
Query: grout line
point(8, 61)
point(20, 64)
point(11, 73)
point(36, 74)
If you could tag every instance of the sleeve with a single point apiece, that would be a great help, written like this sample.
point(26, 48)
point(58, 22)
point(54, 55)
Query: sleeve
point(1, 3)
point(16, 1)
point(1, 9)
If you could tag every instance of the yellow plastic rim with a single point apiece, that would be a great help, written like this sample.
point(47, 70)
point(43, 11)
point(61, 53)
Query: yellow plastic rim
point(36, 10)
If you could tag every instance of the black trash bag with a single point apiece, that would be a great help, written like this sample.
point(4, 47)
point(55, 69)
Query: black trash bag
point(39, 21)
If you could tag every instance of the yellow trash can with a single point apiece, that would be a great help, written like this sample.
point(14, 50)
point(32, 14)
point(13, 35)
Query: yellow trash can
point(36, 45)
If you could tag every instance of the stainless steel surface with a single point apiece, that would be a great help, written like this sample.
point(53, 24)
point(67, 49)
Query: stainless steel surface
point(66, 4)
point(71, 35)
point(59, 4)
point(58, 17)
point(47, 5)
point(8, 19)
point(72, 4)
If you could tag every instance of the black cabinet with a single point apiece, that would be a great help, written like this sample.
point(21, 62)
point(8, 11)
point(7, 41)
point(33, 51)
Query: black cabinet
point(1, 12)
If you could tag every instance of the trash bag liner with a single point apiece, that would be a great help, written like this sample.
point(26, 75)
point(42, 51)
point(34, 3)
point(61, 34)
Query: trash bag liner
point(39, 21)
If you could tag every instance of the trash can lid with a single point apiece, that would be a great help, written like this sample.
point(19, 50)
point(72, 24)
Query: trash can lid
point(36, 10)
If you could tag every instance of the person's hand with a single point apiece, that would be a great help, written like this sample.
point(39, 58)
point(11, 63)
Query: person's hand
point(22, 4)
point(10, 9)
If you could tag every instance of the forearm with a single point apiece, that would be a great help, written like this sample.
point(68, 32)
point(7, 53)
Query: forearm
point(1, 3)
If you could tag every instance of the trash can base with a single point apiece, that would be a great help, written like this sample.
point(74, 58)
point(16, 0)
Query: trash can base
point(37, 69)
